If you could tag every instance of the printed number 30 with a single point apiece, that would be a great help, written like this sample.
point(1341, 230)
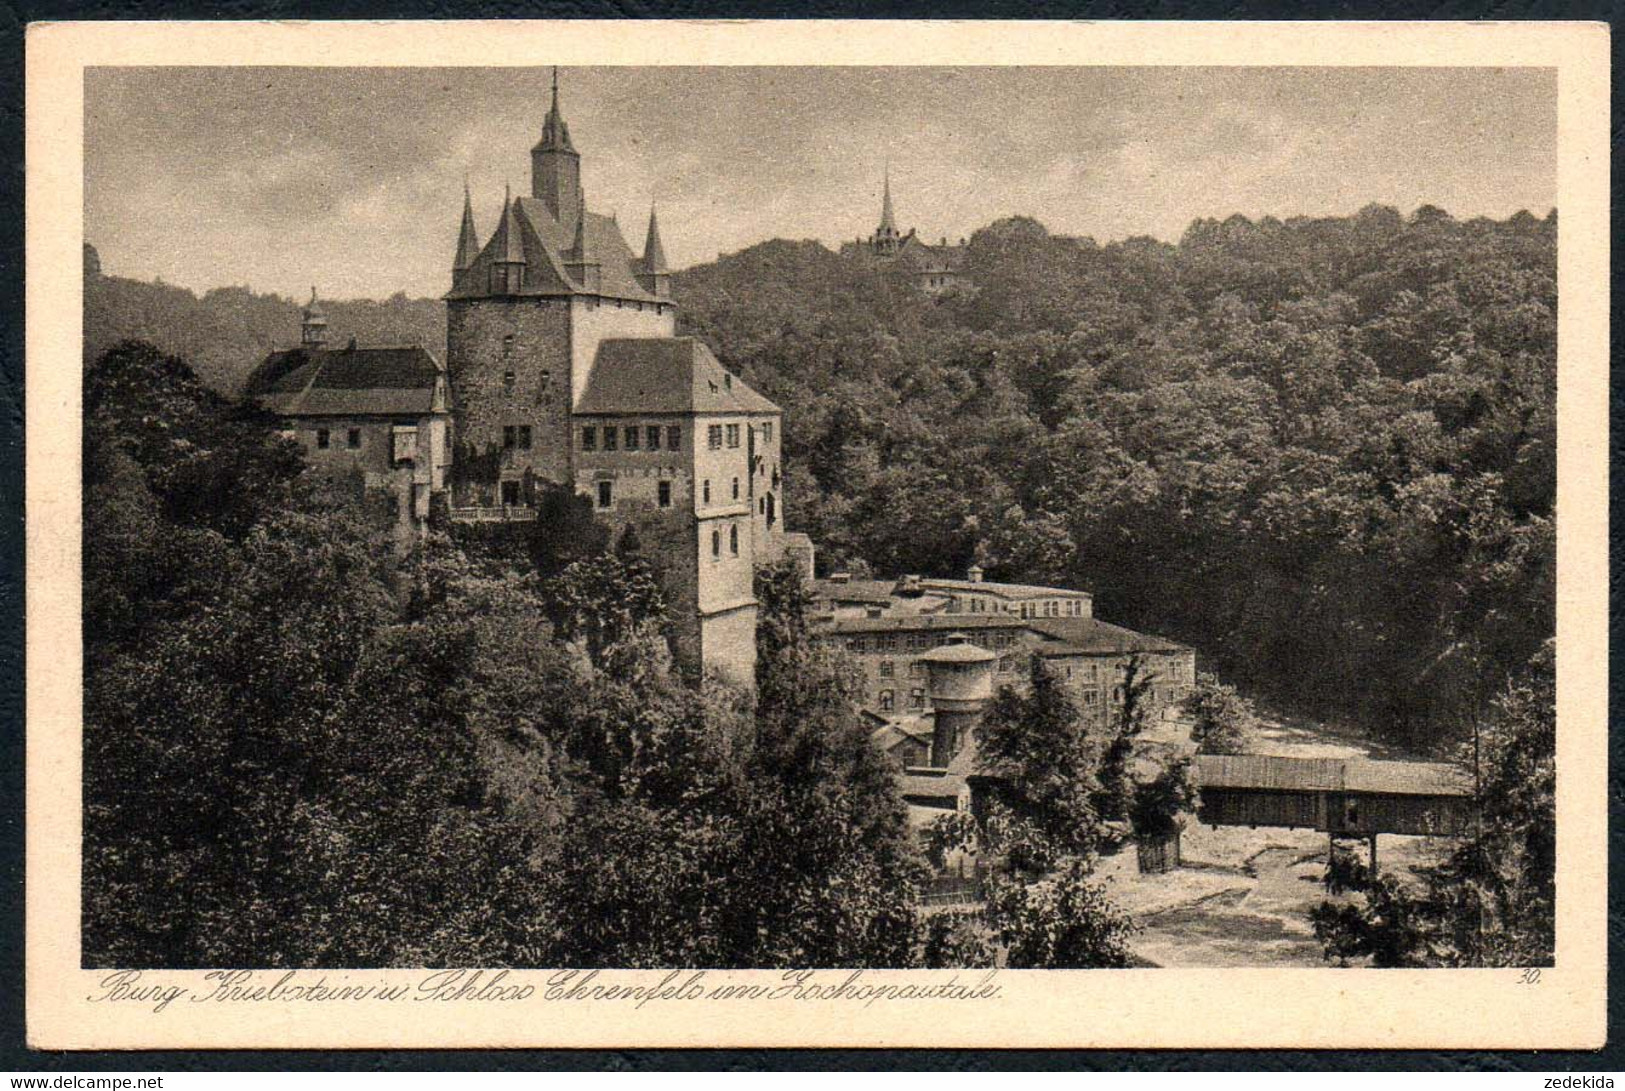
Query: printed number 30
point(1529, 977)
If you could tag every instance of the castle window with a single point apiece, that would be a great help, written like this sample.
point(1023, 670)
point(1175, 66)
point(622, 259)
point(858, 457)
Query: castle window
point(510, 494)
point(767, 431)
point(888, 700)
point(664, 489)
point(728, 379)
point(510, 437)
point(323, 438)
point(605, 494)
point(708, 490)
point(507, 350)
point(733, 539)
point(716, 543)
point(761, 506)
point(610, 437)
point(589, 438)
point(713, 437)
point(547, 378)
point(354, 438)
point(887, 667)
point(916, 698)
point(674, 438)
point(631, 437)
point(736, 488)
point(524, 437)
point(916, 669)
point(733, 435)
point(507, 379)
point(653, 437)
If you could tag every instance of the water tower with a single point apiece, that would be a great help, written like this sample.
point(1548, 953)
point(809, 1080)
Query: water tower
point(960, 681)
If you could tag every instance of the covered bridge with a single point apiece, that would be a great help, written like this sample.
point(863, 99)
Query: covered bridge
point(1344, 797)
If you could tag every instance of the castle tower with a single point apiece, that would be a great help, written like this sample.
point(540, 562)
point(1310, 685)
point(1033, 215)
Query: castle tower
point(653, 273)
point(468, 242)
point(960, 684)
point(555, 166)
point(313, 324)
point(565, 369)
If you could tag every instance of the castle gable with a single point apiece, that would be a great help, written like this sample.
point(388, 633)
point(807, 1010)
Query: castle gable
point(664, 375)
point(545, 243)
point(604, 242)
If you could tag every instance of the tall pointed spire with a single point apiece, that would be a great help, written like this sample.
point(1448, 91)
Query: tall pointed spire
point(555, 166)
point(888, 222)
point(555, 133)
point(654, 255)
point(468, 241)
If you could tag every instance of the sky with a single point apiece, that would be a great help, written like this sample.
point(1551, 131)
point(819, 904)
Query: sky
point(352, 179)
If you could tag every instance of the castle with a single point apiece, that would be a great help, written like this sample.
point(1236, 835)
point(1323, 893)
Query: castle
point(932, 269)
point(563, 367)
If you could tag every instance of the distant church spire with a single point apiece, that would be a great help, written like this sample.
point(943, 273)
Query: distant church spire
point(888, 221)
point(468, 241)
point(886, 240)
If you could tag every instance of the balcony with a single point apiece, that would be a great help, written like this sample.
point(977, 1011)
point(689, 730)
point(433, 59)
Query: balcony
point(505, 514)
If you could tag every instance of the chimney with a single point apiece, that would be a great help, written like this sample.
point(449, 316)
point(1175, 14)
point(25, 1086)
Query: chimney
point(974, 573)
point(959, 686)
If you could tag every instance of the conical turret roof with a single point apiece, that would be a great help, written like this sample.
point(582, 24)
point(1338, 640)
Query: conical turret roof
point(654, 255)
point(468, 242)
point(313, 310)
point(510, 246)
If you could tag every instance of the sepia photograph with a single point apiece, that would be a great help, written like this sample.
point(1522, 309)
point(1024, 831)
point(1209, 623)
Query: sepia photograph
point(948, 518)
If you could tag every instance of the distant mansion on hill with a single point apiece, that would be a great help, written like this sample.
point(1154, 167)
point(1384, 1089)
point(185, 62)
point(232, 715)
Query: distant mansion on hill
point(931, 268)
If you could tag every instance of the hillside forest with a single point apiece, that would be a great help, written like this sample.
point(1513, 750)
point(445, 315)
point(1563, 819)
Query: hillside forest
point(1322, 451)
